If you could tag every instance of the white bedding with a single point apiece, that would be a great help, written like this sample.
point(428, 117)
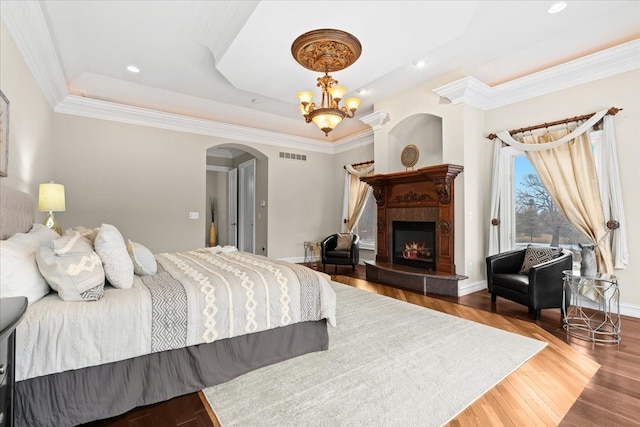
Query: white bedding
point(227, 295)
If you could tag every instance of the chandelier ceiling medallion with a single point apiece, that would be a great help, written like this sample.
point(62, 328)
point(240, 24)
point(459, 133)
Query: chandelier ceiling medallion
point(326, 51)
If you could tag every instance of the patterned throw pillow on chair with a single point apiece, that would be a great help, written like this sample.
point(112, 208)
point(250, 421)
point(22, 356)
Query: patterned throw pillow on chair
point(535, 255)
point(344, 241)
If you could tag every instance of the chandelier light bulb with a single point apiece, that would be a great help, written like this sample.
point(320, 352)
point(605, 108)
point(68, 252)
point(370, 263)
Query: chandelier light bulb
point(352, 103)
point(305, 97)
point(337, 92)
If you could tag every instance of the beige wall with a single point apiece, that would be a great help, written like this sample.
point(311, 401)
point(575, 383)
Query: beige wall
point(31, 118)
point(464, 143)
point(621, 91)
point(422, 100)
point(146, 180)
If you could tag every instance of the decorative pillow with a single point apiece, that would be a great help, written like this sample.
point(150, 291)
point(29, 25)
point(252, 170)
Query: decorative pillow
point(344, 241)
point(112, 249)
point(535, 255)
point(19, 273)
point(144, 263)
point(89, 233)
point(72, 268)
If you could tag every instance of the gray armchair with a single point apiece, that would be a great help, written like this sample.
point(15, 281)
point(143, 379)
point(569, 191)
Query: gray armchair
point(541, 287)
point(338, 256)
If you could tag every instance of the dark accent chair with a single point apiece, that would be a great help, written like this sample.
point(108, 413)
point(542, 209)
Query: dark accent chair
point(541, 288)
point(331, 255)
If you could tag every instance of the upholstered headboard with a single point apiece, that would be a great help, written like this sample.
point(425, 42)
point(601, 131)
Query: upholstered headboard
point(17, 212)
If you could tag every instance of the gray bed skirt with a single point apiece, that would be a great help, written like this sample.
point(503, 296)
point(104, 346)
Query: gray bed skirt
point(99, 392)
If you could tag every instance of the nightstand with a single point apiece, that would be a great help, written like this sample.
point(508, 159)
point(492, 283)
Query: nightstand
point(11, 311)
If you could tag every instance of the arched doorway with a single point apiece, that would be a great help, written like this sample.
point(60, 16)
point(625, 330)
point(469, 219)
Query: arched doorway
point(237, 188)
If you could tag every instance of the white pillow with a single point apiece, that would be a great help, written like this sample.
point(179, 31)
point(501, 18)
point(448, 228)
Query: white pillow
point(72, 268)
point(19, 273)
point(144, 263)
point(112, 249)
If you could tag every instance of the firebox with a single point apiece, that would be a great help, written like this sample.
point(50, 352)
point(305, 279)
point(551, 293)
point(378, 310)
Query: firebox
point(414, 243)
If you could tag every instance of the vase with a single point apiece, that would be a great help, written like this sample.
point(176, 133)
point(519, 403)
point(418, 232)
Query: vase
point(213, 239)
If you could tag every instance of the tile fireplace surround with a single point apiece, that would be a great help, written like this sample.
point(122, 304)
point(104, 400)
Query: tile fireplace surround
point(425, 194)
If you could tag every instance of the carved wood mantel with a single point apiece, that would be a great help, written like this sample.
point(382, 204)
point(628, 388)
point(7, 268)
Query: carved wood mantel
point(423, 194)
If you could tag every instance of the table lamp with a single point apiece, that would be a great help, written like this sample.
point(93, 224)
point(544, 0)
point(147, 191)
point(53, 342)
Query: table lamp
point(51, 199)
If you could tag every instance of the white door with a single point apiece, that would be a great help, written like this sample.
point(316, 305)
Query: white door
point(246, 206)
point(233, 207)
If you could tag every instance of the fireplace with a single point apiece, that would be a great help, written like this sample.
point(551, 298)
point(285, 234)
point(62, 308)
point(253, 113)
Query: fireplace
point(416, 222)
point(414, 243)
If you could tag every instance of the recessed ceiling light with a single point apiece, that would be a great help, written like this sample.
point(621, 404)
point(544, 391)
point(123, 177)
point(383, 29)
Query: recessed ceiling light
point(557, 7)
point(363, 91)
point(133, 69)
point(420, 63)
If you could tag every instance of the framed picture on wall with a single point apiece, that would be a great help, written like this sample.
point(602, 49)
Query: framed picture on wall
point(4, 134)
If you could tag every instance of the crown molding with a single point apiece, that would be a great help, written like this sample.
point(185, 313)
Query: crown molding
point(99, 109)
point(352, 142)
point(609, 62)
point(375, 119)
point(26, 23)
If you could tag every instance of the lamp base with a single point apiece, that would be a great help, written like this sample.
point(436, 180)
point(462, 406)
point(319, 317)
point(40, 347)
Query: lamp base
point(50, 222)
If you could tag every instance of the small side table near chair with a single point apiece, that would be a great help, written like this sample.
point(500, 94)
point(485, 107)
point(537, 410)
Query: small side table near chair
point(593, 308)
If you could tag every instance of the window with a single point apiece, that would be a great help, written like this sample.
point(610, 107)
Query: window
point(366, 227)
point(537, 219)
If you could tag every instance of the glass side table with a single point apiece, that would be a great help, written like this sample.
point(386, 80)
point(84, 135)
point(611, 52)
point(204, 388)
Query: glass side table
point(312, 252)
point(593, 307)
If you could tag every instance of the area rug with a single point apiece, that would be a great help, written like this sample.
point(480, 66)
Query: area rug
point(389, 363)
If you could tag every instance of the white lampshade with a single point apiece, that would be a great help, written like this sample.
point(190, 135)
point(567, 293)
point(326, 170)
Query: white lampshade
point(51, 197)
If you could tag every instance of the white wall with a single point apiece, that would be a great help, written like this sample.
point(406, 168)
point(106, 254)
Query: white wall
point(31, 118)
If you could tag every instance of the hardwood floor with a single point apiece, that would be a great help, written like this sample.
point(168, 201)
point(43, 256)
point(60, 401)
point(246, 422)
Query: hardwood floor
point(556, 387)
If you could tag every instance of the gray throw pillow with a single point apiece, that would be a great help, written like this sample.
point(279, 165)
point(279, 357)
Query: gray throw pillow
point(535, 255)
point(72, 268)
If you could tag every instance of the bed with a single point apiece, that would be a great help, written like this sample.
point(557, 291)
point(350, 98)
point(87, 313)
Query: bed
point(204, 317)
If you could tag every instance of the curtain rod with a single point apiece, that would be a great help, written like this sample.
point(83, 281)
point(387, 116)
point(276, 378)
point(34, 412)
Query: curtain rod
point(368, 162)
point(611, 111)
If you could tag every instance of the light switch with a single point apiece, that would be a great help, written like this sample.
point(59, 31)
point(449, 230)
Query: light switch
point(194, 215)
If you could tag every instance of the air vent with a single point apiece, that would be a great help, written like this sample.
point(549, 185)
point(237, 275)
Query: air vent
point(293, 156)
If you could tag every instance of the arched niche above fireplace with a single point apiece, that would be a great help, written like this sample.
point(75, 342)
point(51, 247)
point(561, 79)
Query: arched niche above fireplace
point(422, 130)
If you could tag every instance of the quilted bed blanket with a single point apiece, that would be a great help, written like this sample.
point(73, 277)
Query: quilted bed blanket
point(196, 297)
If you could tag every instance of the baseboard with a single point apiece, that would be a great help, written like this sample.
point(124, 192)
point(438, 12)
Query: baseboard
point(471, 287)
point(626, 309)
point(631, 310)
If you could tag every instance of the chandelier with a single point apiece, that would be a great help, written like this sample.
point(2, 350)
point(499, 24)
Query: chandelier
point(326, 51)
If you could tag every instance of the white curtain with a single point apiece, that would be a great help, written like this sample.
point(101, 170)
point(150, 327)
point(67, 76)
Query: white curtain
point(502, 226)
point(356, 193)
point(606, 156)
point(606, 164)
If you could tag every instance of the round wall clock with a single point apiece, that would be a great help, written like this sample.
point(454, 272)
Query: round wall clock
point(409, 156)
